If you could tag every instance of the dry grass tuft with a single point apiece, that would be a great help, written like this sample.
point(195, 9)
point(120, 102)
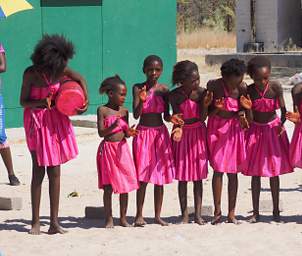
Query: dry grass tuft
point(206, 38)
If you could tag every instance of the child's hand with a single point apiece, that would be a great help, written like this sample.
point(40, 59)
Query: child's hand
point(48, 102)
point(143, 94)
point(244, 122)
point(83, 109)
point(117, 122)
point(219, 103)
point(132, 131)
point(208, 99)
point(293, 117)
point(177, 119)
point(280, 130)
point(177, 134)
point(246, 102)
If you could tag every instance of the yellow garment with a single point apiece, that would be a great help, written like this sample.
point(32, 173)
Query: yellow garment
point(10, 7)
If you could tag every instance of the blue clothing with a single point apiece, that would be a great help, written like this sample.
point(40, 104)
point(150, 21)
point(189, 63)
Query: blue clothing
point(2, 113)
point(2, 122)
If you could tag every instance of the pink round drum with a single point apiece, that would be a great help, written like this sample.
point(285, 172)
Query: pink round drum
point(70, 98)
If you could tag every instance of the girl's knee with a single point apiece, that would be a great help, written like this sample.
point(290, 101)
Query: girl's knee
point(217, 174)
point(108, 189)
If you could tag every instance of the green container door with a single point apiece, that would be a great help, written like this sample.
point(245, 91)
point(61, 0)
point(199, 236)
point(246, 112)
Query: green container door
point(110, 37)
point(81, 22)
point(132, 31)
point(18, 33)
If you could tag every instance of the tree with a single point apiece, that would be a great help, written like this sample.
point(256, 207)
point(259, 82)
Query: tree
point(193, 14)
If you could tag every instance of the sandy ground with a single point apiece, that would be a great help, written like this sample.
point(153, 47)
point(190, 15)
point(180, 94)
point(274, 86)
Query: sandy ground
point(87, 237)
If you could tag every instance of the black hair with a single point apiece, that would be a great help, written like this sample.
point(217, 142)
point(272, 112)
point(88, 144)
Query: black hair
point(52, 53)
point(110, 84)
point(233, 67)
point(256, 63)
point(152, 58)
point(182, 70)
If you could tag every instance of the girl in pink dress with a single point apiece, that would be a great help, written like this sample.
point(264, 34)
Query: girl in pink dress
point(189, 142)
point(152, 151)
point(295, 148)
point(116, 170)
point(267, 145)
point(225, 133)
point(49, 134)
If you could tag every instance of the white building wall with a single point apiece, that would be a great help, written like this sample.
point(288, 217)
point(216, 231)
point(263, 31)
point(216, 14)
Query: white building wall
point(243, 23)
point(276, 22)
point(267, 23)
point(289, 22)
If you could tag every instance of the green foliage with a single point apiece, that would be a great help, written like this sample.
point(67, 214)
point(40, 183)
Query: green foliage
point(217, 14)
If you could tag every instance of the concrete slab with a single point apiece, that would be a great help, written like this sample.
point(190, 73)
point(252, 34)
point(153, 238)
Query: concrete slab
point(92, 212)
point(286, 59)
point(88, 121)
point(10, 203)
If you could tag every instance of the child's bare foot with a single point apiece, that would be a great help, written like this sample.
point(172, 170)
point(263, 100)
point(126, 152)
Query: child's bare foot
point(199, 220)
point(233, 220)
point(159, 221)
point(139, 221)
point(124, 223)
point(254, 218)
point(56, 229)
point(35, 229)
point(184, 219)
point(109, 223)
point(276, 216)
point(216, 220)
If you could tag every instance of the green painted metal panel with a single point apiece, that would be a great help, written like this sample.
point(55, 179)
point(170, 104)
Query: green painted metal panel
point(134, 29)
point(82, 24)
point(110, 36)
point(18, 33)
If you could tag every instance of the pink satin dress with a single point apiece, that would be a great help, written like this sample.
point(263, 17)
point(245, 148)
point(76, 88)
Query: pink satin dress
point(267, 152)
point(226, 141)
point(114, 162)
point(190, 153)
point(152, 149)
point(295, 148)
point(48, 132)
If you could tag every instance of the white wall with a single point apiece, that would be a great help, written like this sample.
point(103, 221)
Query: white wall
point(266, 23)
point(243, 24)
point(276, 22)
point(289, 22)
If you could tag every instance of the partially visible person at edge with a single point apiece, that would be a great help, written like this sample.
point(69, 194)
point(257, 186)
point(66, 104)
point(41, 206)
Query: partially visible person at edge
point(4, 146)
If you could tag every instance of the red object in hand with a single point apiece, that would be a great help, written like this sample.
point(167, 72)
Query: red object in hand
point(70, 98)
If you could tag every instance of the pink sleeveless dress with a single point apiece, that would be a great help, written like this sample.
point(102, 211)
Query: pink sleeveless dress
point(267, 153)
point(114, 162)
point(295, 148)
point(152, 150)
point(48, 132)
point(190, 153)
point(226, 142)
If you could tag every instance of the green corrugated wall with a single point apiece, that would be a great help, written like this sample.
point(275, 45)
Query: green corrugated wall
point(110, 37)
